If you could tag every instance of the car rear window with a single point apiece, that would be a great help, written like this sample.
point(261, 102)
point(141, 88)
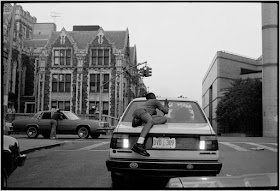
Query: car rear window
point(179, 112)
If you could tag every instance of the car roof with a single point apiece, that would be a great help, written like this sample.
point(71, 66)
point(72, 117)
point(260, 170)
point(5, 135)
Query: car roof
point(168, 98)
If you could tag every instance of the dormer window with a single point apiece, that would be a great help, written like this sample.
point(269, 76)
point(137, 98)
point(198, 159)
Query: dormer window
point(62, 57)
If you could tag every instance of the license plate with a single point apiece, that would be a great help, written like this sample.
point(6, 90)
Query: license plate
point(164, 143)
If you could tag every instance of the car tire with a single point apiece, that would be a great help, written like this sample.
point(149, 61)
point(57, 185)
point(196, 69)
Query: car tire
point(95, 135)
point(32, 132)
point(46, 136)
point(83, 132)
point(4, 178)
point(118, 181)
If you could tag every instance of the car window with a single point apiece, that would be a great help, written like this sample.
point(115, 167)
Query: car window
point(46, 115)
point(36, 115)
point(179, 112)
point(70, 115)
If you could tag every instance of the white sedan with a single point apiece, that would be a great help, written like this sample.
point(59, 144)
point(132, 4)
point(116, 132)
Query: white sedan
point(185, 145)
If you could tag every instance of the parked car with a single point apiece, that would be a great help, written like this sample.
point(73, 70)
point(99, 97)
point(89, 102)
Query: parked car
point(70, 124)
point(262, 180)
point(185, 145)
point(11, 158)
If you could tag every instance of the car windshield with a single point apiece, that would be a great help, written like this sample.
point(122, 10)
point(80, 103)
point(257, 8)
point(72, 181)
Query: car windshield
point(70, 115)
point(179, 112)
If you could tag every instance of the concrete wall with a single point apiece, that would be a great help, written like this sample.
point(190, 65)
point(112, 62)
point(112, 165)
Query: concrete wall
point(270, 68)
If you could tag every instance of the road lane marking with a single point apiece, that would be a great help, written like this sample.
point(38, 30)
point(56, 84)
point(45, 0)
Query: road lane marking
point(265, 147)
point(92, 146)
point(234, 146)
point(106, 150)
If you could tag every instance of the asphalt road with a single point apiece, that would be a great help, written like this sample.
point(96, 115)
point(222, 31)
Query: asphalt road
point(80, 164)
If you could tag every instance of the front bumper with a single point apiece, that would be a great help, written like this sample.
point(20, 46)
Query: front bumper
point(104, 130)
point(164, 167)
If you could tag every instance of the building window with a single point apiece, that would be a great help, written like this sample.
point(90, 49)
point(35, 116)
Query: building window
point(61, 82)
point(62, 105)
point(29, 107)
point(100, 57)
point(106, 83)
point(95, 82)
point(93, 107)
point(62, 57)
point(105, 108)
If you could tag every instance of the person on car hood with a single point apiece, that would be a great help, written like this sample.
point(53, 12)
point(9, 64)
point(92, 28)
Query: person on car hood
point(147, 115)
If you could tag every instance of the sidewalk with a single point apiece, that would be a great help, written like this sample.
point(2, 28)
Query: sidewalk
point(30, 145)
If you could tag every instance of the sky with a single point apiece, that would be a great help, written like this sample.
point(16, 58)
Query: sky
point(178, 40)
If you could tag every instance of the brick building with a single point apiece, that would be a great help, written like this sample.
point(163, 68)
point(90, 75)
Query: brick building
point(71, 70)
point(72, 66)
point(23, 29)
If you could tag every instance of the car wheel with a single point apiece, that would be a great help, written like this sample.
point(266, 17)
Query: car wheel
point(95, 135)
point(4, 178)
point(118, 181)
point(46, 136)
point(32, 132)
point(83, 132)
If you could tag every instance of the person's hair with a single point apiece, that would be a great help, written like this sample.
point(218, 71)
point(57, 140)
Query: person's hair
point(150, 96)
point(58, 110)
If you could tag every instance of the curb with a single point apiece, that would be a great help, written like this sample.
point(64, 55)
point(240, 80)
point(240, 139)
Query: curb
point(39, 148)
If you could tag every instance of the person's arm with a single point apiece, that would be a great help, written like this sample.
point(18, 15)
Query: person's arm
point(162, 108)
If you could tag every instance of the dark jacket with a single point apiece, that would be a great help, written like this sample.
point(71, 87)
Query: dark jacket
point(56, 116)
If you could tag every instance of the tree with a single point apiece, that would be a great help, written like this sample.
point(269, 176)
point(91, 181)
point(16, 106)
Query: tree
point(240, 109)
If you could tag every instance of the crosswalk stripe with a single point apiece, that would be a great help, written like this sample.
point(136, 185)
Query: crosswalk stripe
point(92, 146)
point(265, 147)
point(275, 144)
point(236, 147)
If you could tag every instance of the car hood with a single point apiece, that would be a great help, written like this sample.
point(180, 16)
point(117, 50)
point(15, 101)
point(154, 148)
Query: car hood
point(8, 141)
point(171, 128)
point(249, 180)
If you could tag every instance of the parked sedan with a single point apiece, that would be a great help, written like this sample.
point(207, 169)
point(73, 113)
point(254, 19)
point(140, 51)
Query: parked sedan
point(70, 124)
point(185, 145)
point(11, 158)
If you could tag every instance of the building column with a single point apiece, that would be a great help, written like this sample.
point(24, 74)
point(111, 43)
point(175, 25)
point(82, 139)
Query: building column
point(270, 68)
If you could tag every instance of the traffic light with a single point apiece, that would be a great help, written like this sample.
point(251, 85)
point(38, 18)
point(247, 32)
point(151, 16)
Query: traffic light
point(142, 72)
point(148, 72)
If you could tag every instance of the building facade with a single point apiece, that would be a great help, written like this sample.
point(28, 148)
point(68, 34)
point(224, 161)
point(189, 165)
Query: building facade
point(83, 71)
point(23, 29)
point(224, 69)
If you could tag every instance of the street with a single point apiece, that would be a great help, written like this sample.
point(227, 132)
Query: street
point(80, 163)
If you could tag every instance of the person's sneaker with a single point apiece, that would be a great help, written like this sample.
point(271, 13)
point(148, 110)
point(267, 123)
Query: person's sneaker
point(140, 149)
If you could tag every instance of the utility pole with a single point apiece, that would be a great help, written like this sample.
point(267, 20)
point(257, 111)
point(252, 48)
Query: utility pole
point(100, 96)
point(8, 67)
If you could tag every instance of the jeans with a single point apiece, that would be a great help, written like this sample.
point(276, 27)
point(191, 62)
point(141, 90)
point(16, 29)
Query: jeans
point(53, 126)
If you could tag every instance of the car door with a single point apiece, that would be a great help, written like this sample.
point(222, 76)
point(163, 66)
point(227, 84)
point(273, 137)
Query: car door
point(65, 125)
point(44, 122)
